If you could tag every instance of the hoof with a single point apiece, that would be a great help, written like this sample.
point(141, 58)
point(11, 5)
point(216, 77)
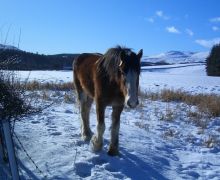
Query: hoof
point(87, 136)
point(96, 145)
point(113, 151)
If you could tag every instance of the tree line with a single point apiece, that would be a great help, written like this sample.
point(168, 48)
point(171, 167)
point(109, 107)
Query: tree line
point(21, 60)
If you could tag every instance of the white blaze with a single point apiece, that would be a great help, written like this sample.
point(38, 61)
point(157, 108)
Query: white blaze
point(131, 85)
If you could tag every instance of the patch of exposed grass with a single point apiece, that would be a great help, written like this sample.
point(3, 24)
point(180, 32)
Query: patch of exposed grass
point(211, 142)
point(206, 103)
point(68, 98)
point(142, 125)
point(36, 85)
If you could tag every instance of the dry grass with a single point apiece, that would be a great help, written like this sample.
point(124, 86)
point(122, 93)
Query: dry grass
point(211, 142)
point(169, 133)
point(36, 85)
point(142, 125)
point(206, 103)
point(69, 98)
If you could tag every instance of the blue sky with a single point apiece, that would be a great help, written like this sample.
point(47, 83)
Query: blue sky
point(70, 26)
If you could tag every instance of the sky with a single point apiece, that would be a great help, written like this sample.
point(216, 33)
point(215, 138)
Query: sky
point(71, 26)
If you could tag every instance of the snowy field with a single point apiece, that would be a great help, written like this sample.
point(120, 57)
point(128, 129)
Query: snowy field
point(188, 77)
point(158, 140)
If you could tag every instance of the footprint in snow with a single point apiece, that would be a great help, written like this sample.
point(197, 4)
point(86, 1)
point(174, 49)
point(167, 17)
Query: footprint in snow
point(35, 122)
point(52, 127)
point(98, 161)
point(83, 169)
point(56, 133)
point(68, 111)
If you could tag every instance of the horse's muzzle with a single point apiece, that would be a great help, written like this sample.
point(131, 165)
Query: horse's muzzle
point(132, 104)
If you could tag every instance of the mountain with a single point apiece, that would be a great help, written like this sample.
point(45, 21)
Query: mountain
point(175, 57)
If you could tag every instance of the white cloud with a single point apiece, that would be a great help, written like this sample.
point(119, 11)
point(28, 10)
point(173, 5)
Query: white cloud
point(161, 15)
point(189, 32)
point(208, 43)
point(172, 29)
point(215, 28)
point(150, 20)
point(216, 19)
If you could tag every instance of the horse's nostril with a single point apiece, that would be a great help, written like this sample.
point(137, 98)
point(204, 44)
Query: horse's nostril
point(129, 104)
point(132, 105)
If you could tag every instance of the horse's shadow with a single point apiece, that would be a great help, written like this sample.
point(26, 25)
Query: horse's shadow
point(125, 165)
point(136, 168)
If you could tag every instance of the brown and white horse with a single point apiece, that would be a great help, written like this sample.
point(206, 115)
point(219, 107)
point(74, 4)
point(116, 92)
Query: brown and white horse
point(111, 79)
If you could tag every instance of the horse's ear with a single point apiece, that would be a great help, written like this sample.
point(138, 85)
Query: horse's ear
point(140, 54)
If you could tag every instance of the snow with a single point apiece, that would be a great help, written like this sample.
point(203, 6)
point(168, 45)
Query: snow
point(188, 77)
point(46, 76)
point(191, 78)
point(158, 140)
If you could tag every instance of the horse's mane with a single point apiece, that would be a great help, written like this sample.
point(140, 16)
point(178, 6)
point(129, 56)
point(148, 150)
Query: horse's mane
point(110, 61)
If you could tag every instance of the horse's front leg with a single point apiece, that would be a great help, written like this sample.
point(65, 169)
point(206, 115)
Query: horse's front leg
point(97, 140)
point(113, 147)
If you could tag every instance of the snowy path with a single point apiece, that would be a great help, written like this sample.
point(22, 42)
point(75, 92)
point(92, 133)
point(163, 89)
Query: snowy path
point(150, 148)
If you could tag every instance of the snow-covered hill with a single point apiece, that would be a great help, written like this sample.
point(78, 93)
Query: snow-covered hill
point(3, 47)
point(176, 57)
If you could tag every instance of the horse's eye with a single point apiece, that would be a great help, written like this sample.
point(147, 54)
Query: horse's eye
point(122, 73)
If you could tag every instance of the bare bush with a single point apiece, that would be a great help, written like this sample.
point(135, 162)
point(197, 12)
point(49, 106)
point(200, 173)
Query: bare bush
point(13, 102)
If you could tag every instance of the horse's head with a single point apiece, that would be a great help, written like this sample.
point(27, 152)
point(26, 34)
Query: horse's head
point(129, 70)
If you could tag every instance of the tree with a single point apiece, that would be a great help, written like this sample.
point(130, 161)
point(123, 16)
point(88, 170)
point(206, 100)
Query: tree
point(213, 61)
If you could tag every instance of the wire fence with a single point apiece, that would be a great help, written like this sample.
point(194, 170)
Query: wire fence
point(29, 157)
point(5, 169)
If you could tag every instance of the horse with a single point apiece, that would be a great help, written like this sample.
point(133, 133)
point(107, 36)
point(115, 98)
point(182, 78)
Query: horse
point(110, 79)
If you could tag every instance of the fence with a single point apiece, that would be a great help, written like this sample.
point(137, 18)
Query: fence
point(8, 162)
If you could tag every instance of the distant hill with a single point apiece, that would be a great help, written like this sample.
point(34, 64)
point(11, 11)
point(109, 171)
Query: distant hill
point(175, 57)
point(8, 47)
point(21, 60)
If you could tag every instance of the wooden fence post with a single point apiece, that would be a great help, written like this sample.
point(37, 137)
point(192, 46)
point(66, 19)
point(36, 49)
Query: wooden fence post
point(10, 150)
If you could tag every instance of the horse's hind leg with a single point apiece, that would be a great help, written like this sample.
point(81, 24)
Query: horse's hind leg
point(85, 106)
point(113, 147)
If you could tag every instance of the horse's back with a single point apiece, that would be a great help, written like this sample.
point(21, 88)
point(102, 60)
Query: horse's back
point(84, 67)
point(85, 58)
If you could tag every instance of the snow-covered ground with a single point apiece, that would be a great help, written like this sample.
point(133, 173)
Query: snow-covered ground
point(188, 77)
point(191, 78)
point(158, 140)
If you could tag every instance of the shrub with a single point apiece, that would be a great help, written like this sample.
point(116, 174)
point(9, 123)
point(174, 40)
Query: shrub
point(213, 61)
point(12, 99)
